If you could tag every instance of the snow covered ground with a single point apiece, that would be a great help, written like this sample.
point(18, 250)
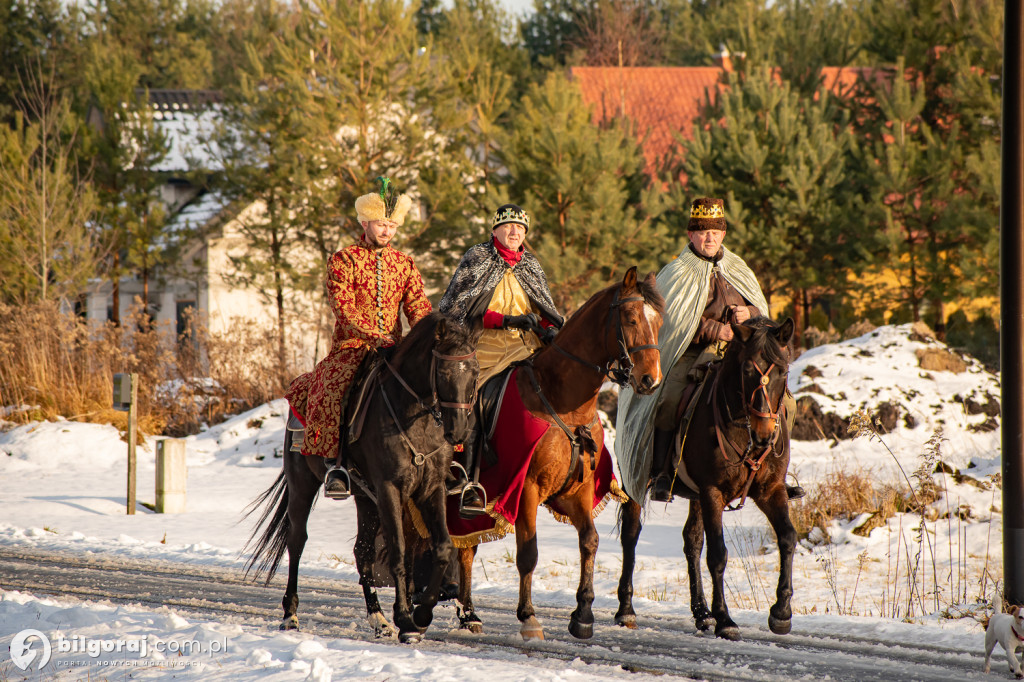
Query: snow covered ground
point(62, 485)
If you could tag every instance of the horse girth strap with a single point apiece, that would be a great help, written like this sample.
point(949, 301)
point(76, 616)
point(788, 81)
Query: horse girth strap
point(575, 441)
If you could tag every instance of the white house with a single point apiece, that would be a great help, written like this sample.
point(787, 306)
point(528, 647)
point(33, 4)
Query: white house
point(197, 280)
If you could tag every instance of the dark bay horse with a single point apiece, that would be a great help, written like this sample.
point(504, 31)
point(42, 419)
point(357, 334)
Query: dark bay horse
point(737, 446)
point(615, 333)
point(420, 407)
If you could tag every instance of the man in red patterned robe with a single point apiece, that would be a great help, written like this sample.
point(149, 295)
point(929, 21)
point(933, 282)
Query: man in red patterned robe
point(368, 284)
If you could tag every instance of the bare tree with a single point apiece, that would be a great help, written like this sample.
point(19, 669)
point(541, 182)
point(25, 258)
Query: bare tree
point(619, 33)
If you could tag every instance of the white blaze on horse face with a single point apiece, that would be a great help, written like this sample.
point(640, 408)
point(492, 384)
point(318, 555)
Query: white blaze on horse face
point(650, 315)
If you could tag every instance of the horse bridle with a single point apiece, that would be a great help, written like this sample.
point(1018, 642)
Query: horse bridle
point(435, 407)
point(762, 387)
point(619, 369)
point(753, 462)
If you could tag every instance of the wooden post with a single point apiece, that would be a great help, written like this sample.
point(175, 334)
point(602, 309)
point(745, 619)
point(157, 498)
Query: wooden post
point(171, 474)
point(132, 415)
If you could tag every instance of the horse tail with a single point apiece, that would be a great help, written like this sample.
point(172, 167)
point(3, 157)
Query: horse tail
point(269, 548)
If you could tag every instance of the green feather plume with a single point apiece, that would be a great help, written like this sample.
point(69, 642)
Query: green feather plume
point(387, 195)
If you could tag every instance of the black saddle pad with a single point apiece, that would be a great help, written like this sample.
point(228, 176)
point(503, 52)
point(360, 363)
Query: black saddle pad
point(489, 400)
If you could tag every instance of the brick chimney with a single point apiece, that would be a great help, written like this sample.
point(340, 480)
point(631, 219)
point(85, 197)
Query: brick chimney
point(723, 58)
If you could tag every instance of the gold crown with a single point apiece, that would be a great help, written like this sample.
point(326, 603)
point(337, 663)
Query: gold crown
point(706, 211)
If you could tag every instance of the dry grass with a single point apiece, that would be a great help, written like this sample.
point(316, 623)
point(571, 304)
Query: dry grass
point(58, 365)
point(844, 495)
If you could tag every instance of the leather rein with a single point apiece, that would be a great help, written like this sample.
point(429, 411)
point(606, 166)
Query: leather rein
point(620, 368)
point(728, 447)
point(434, 407)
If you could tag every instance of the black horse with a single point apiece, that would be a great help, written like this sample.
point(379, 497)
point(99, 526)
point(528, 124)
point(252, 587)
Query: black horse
point(418, 407)
point(737, 446)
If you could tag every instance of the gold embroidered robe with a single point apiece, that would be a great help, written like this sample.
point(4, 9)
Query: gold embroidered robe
point(367, 290)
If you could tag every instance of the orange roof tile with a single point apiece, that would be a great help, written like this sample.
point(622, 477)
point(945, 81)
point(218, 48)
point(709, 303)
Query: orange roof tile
point(659, 100)
point(663, 100)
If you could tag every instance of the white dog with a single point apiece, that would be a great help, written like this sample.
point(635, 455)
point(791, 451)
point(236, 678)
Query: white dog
point(1008, 630)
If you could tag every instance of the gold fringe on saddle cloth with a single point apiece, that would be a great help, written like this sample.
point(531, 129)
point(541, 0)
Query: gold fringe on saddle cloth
point(501, 526)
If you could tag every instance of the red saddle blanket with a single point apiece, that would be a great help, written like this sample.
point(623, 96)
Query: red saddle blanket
point(515, 439)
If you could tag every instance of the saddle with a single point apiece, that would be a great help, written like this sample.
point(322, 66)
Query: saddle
point(357, 402)
point(684, 415)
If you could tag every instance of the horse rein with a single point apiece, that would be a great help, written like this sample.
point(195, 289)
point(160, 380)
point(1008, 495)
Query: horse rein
point(745, 457)
point(620, 374)
point(434, 408)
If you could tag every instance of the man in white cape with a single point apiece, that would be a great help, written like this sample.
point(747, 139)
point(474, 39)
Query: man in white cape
point(705, 288)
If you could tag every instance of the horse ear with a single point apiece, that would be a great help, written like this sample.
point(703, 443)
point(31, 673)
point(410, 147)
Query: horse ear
point(785, 332)
point(629, 281)
point(476, 329)
point(441, 329)
point(743, 332)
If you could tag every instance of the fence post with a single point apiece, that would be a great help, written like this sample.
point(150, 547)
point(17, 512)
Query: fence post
point(171, 474)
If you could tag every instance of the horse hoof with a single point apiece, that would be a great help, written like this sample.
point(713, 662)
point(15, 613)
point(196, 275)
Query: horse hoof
point(410, 637)
point(627, 621)
point(290, 623)
point(778, 626)
point(472, 623)
point(531, 629)
point(381, 627)
point(731, 633)
point(580, 630)
point(422, 616)
point(704, 623)
point(475, 627)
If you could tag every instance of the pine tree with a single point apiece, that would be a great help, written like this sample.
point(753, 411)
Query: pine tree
point(779, 162)
point(125, 148)
point(583, 187)
point(934, 131)
point(46, 208)
point(350, 92)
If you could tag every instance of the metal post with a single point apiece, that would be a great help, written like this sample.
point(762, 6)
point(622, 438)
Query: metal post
point(1011, 327)
point(132, 412)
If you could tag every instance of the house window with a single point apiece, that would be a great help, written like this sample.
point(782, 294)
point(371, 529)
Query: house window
point(185, 317)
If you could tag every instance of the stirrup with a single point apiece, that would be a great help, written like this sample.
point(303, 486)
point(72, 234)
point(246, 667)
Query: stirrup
point(338, 477)
point(461, 477)
point(472, 512)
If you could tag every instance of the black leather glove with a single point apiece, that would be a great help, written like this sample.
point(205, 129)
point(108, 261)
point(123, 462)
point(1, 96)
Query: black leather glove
point(528, 322)
point(547, 334)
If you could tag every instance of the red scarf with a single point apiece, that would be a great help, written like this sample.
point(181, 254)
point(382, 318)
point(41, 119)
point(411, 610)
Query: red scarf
point(511, 257)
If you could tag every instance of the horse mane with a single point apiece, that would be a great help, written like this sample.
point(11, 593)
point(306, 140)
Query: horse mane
point(421, 336)
point(762, 343)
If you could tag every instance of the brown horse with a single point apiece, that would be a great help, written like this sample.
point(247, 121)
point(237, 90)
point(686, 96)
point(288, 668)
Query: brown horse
point(615, 334)
point(737, 446)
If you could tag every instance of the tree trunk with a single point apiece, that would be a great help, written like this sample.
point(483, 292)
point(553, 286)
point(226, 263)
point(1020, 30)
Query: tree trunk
point(115, 315)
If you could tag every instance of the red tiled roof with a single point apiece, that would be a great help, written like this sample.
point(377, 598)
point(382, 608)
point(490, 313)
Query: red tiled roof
point(661, 100)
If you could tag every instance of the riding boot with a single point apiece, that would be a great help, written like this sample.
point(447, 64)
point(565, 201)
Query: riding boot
point(661, 487)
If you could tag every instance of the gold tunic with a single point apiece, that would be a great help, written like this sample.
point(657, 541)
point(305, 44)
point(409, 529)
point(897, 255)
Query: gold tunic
point(498, 348)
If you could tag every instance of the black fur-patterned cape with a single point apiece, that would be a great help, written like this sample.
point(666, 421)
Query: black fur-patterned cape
point(477, 276)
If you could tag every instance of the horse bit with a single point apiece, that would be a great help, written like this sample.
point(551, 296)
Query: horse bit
point(435, 407)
